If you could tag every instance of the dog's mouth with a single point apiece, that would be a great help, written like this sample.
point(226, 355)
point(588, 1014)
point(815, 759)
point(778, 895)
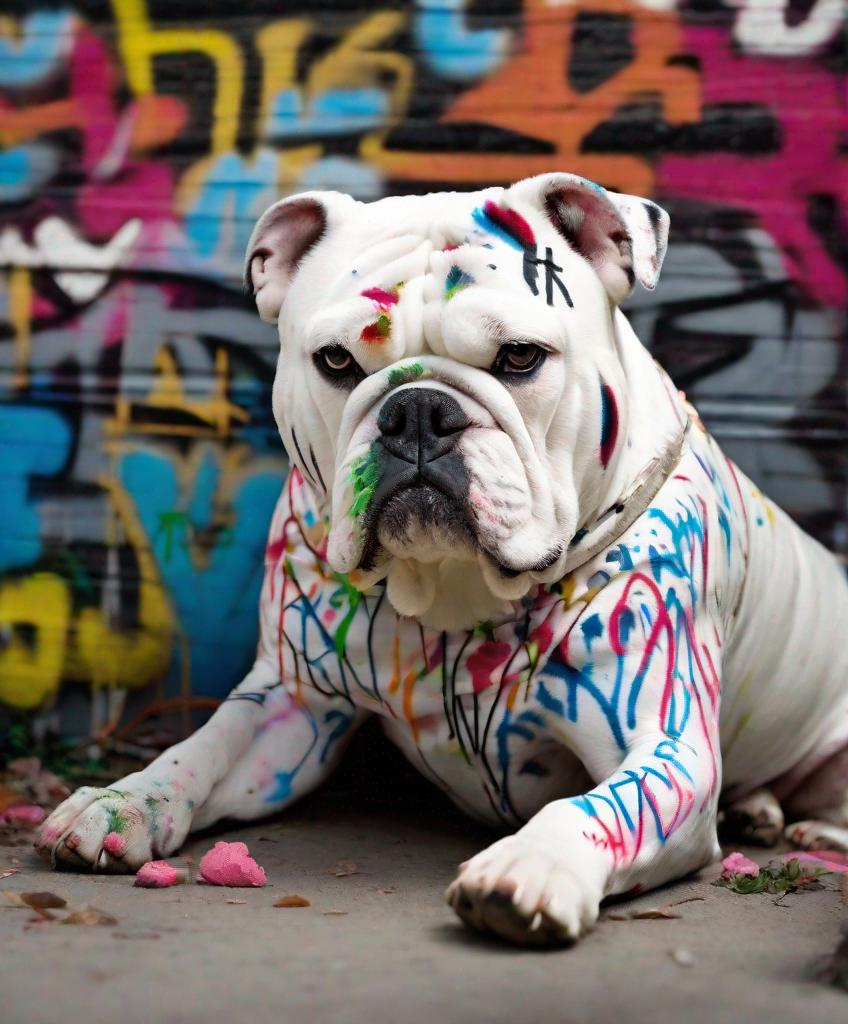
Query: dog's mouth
point(417, 509)
point(422, 511)
point(440, 472)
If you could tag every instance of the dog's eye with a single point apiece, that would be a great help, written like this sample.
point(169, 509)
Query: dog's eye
point(337, 363)
point(518, 360)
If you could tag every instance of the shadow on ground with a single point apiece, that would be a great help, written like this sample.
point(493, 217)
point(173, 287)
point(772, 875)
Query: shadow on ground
point(379, 945)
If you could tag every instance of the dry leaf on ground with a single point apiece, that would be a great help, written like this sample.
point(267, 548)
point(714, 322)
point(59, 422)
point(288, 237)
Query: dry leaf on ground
point(345, 868)
point(13, 899)
point(654, 914)
point(9, 871)
point(689, 899)
point(235, 901)
point(43, 900)
point(89, 916)
point(293, 901)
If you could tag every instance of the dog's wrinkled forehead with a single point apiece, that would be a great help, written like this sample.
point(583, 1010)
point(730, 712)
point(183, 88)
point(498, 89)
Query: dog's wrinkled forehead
point(443, 243)
point(386, 273)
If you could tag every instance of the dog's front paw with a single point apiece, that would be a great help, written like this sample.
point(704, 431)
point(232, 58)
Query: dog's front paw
point(528, 892)
point(114, 829)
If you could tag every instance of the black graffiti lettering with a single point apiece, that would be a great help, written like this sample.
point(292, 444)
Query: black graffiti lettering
point(552, 272)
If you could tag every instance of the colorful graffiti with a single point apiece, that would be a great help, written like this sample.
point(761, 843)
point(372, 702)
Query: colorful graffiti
point(139, 462)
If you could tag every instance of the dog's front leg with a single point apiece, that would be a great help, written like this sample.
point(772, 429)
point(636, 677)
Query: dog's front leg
point(260, 751)
point(634, 691)
point(651, 821)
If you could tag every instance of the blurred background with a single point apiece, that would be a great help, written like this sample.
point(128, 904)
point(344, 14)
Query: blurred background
point(139, 461)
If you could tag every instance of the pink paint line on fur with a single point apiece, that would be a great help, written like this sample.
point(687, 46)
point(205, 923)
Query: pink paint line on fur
point(157, 874)
point(231, 864)
point(115, 844)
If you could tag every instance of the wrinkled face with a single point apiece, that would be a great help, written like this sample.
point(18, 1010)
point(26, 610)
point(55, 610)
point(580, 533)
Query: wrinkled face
point(448, 381)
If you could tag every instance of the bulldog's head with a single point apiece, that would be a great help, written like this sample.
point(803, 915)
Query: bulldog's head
point(451, 379)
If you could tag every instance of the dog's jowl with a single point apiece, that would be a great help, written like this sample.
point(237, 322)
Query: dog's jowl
point(508, 535)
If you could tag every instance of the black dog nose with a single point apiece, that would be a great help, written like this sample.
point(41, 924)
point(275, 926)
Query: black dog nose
point(419, 424)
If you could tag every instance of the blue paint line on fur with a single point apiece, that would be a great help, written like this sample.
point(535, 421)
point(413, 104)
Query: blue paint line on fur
point(483, 220)
point(609, 423)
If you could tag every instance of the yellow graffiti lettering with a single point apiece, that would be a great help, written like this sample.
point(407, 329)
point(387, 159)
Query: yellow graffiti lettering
point(278, 45)
point(355, 61)
point(104, 654)
point(20, 316)
point(34, 618)
point(139, 43)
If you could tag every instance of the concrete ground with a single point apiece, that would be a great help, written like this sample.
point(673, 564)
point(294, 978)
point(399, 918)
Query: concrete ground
point(379, 945)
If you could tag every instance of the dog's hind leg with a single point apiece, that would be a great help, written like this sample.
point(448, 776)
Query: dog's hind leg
point(818, 808)
point(756, 818)
point(817, 835)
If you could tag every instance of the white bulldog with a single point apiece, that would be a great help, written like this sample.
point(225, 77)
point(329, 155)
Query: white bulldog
point(507, 534)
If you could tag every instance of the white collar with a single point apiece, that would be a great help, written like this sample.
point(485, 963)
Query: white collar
point(616, 519)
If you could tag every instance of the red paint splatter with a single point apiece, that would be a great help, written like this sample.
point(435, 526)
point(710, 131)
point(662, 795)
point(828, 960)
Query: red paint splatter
point(376, 332)
point(510, 222)
point(381, 296)
point(542, 636)
point(482, 663)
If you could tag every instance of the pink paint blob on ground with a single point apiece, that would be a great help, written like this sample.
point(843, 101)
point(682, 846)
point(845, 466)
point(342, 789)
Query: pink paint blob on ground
point(116, 845)
point(156, 874)
point(231, 864)
point(739, 864)
point(28, 815)
point(829, 860)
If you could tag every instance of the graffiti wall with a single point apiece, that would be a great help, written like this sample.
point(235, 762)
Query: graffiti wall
point(139, 462)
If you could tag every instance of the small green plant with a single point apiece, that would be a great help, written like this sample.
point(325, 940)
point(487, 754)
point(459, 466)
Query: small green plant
point(778, 877)
point(16, 740)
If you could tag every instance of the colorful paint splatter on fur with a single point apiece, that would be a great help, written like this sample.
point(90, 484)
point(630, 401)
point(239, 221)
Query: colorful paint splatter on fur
point(456, 281)
point(508, 225)
point(378, 331)
point(405, 374)
point(364, 475)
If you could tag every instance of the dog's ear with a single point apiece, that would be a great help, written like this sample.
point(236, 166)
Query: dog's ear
point(623, 237)
point(283, 236)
